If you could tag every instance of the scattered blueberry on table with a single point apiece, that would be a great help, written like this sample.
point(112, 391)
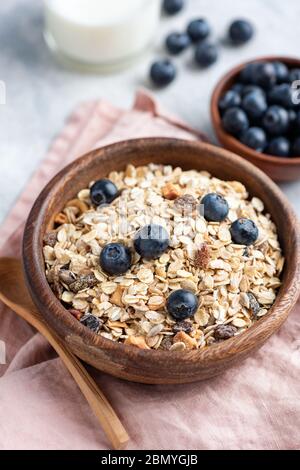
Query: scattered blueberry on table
point(182, 304)
point(260, 110)
point(198, 30)
point(115, 259)
point(240, 32)
point(177, 42)
point(163, 72)
point(151, 241)
point(103, 192)
point(171, 7)
point(206, 54)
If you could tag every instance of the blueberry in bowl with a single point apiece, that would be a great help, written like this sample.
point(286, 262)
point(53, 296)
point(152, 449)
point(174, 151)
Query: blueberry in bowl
point(235, 121)
point(255, 138)
point(280, 146)
point(265, 91)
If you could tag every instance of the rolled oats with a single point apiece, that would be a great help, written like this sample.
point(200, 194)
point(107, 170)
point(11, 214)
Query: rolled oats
point(235, 285)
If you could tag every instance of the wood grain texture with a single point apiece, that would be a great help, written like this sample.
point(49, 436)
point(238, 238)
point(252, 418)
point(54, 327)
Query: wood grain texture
point(14, 294)
point(278, 168)
point(125, 361)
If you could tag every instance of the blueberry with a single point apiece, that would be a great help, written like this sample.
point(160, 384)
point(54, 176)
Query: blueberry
point(103, 192)
point(264, 75)
point(177, 42)
point(292, 117)
point(215, 207)
point(282, 72)
point(240, 32)
point(230, 99)
point(171, 7)
point(244, 232)
point(162, 72)
point(255, 138)
point(252, 88)
point(198, 30)
point(151, 241)
point(276, 120)
point(235, 121)
point(255, 104)
point(182, 304)
point(281, 95)
point(206, 54)
point(296, 123)
point(238, 87)
point(294, 75)
point(296, 148)
point(91, 322)
point(248, 72)
point(280, 146)
point(115, 259)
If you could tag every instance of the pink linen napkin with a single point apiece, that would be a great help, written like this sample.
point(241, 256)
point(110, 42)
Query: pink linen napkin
point(255, 405)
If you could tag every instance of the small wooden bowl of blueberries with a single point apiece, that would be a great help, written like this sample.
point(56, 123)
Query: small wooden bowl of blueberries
point(255, 112)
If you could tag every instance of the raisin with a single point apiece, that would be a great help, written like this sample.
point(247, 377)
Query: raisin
point(50, 239)
point(83, 282)
point(185, 326)
point(91, 322)
point(254, 305)
point(223, 332)
point(166, 343)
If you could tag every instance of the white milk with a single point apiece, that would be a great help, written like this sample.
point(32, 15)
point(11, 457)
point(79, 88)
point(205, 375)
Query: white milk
point(100, 31)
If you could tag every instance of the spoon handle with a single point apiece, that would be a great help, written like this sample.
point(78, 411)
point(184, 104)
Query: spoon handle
point(110, 422)
point(107, 417)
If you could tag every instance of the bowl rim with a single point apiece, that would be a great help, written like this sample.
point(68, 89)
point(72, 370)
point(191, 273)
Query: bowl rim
point(239, 147)
point(37, 283)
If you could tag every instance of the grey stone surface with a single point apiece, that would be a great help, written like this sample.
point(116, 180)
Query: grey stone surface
point(41, 94)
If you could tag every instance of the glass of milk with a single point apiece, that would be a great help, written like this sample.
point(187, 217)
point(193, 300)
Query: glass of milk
point(100, 34)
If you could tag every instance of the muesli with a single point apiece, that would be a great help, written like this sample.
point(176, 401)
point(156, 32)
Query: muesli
point(161, 258)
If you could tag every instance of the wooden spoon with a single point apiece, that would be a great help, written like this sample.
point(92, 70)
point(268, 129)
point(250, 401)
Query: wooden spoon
point(14, 294)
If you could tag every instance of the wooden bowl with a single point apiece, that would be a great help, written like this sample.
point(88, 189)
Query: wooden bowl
point(278, 168)
point(148, 366)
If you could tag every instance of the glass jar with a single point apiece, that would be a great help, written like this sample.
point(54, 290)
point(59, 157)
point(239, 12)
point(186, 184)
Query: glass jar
point(96, 35)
